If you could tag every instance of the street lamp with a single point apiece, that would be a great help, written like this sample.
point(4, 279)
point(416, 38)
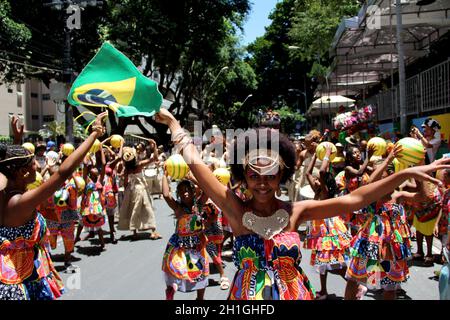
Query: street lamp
point(215, 79)
point(249, 96)
point(212, 84)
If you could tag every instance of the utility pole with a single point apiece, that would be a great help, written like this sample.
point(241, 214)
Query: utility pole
point(401, 67)
point(67, 79)
point(72, 10)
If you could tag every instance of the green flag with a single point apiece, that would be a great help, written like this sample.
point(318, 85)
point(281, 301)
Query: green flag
point(111, 80)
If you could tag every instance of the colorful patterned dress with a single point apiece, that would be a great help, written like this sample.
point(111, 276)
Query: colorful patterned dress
point(443, 222)
point(185, 260)
point(65, 213)
point(269, 269)
point(425, 213)
point(381, 248)
point(212, 217)
point(26, 269)
point(347, 185)
point(92, 207)
point(110, 190)
point(329, 241)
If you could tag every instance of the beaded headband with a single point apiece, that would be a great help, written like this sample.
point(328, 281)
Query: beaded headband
point(270, 159)
point(18, 157)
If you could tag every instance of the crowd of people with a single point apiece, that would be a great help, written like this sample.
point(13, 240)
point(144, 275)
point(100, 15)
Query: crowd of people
point(358, 210)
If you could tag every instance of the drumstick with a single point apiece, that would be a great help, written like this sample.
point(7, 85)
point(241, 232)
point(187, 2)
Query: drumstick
point(106, 139)
point(141, 137)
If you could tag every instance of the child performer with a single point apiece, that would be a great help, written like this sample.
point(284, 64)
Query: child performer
point(328, 238)
point(381, 248)
point(185, 262)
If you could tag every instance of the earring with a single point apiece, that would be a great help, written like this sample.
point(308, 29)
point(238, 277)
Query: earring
point(278, 193)
point(26, 174)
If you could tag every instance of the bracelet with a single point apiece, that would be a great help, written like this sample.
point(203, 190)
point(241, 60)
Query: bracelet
point(326, 159)
point(178, 135)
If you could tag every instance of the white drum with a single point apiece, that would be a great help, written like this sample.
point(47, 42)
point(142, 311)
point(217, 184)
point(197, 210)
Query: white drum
point(307, 193)
point(150, 172)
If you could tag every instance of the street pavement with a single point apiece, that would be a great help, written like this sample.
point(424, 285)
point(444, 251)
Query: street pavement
point(131, 270)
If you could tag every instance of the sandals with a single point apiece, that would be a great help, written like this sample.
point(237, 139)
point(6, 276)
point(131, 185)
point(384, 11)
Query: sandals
point(321, 296)
point(361, 293)
point(224, 283)
point(155, 235)
point(428, 261)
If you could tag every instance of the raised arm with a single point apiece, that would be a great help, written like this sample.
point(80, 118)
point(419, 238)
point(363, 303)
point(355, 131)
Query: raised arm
point(219, 194)
point(17, 130)
point(378, 173)
point(351, 172)
point(309, 171)
point(25, 204)
point(168, 196)
point(365, 195)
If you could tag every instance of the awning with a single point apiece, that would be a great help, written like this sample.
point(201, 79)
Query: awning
point(329, 104)
point(367, 43)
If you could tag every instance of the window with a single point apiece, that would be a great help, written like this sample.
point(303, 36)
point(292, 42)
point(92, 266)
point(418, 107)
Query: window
point(46, 96)
point(19, 87)
point(34, 117)
point(10, 90)
point(34, 95)
point(48, 118)
point(19, 99)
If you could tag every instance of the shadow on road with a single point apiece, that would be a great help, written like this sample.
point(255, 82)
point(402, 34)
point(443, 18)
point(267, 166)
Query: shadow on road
point(60, 258)
point(378, 294)
point(90, 251)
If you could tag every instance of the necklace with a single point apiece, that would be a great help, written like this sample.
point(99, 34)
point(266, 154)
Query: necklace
point(266, 227)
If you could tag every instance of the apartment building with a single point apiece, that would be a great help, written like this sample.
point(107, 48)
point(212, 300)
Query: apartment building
point(31, 102)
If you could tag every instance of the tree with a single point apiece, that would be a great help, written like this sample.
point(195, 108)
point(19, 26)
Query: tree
point(275, 65)
point(37, 44)
point(313, 28)
point(179, 44)
point(12, 35)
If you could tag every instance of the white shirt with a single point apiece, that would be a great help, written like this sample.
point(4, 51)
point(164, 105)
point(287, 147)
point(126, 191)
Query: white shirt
point(436, 142)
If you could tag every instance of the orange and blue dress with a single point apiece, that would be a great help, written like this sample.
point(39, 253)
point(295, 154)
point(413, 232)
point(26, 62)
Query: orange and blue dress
point(61, 212)
point(329, 241)
point(185, 262)
point(269, 269)
point(381, 248)
point(26, 269)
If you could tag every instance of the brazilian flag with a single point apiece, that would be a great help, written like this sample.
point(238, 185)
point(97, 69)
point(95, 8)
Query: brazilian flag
point(111, 80)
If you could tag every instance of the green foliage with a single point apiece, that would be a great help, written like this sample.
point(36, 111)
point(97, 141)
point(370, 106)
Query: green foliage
point(55, 129)
point(35, 38)
point(314, 26)
point(289, 118)
point(277, 69)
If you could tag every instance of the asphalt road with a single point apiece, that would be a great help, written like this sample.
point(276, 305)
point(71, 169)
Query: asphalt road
point(131, 270)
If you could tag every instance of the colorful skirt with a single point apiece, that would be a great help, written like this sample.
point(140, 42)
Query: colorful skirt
point(93, 222)
point(185, 263)
point(329, 241)
point(380, 250)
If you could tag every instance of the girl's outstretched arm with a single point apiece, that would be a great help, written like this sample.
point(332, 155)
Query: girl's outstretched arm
point(365, 195)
